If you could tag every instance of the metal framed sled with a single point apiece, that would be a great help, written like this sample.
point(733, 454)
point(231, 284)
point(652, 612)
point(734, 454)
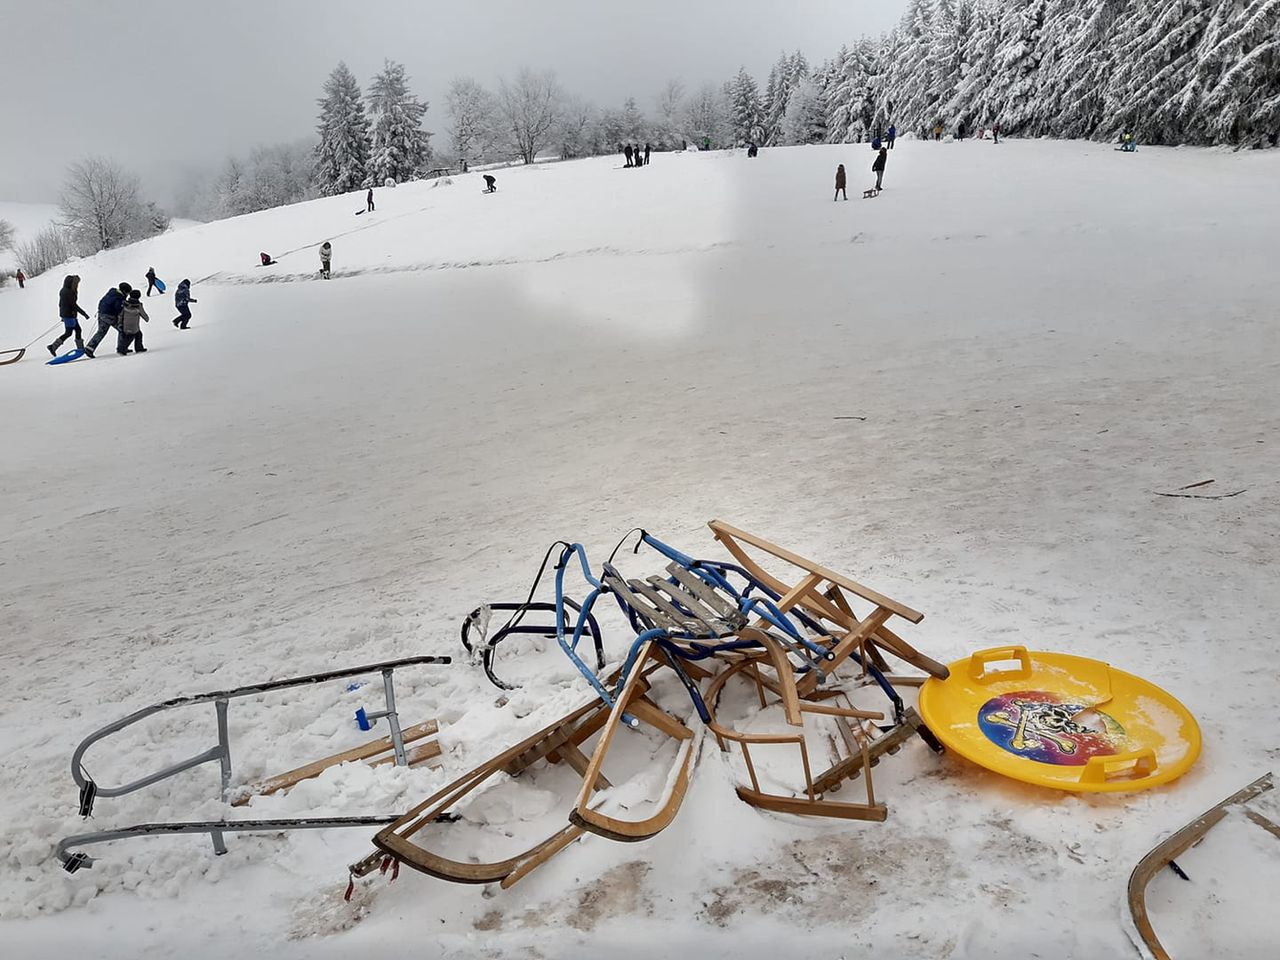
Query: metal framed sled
point(393, 746)
point(12, 356)
point(1178, 843)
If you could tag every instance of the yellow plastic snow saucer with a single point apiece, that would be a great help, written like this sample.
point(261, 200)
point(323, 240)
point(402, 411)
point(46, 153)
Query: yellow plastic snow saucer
point(1060, 721)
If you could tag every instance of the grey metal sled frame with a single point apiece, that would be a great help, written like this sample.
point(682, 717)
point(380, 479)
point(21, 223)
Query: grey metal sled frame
point(90, 791)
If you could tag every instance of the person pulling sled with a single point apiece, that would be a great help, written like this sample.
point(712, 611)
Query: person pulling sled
point(877, 167)
point(326, 259)
point(70, 311)
point(490, 184)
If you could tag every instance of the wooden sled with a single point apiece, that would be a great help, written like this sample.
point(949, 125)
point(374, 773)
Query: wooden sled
point(377, 753)
point(1178, 843)
point(828, 597)
point(869, 193)
point(18, 354)
point(557, 742)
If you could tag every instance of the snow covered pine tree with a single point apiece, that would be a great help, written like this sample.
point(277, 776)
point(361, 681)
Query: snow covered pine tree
point(342, 156)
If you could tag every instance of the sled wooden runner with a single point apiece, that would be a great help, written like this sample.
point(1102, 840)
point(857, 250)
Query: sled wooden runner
point(615, 828)
point(18, 354)
point(1177, 844)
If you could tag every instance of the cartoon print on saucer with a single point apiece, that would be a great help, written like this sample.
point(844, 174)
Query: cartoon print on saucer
point(1042, 726)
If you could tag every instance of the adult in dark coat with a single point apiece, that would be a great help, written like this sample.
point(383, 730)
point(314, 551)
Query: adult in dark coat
point(647, 148)
point(151, 279)
point(70, 311)
point(22, 279)
point(840, 182)
point(627, 152)
point(369, 200)
point(109, 309)
point(893, 135)
point(878, 166)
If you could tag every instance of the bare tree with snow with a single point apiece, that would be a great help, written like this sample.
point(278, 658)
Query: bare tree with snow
point(6, 235)
point(529, 110)
point(101, 205)
point(473, 112)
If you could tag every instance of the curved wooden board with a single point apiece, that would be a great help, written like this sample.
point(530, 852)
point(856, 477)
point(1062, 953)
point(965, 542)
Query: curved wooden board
point(18, 355)
point(1170, 849)
point(614, 828)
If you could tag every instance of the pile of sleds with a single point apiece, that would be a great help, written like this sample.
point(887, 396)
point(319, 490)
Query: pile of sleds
point(793, 671)
point(708, 634)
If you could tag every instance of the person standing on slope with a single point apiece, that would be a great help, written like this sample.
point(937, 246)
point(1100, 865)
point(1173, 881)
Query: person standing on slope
point(369, 200)
point(490, 183)
point(626, 152)
point(995, 132)
point(182, 299)
point(22, 279)
point(893, 135)
point(878, 166)
point(70, 311)
point(131, 318)
point(109, 308)
point(151, 279)
point(840, 183)
point(647, 148)
point(326, 258)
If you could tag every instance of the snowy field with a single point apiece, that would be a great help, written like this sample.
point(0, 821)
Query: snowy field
point(1039, 336)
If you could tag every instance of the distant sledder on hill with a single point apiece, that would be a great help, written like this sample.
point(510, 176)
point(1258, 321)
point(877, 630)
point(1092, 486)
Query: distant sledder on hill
point(490, 184)
point(266, 259)
point(182, 299)
point(326, 259)
point(1127, 143)
point(840, 183)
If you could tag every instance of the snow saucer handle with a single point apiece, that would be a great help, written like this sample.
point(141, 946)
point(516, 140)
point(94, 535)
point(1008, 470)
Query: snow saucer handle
point(979, 661)
point(1134, 765)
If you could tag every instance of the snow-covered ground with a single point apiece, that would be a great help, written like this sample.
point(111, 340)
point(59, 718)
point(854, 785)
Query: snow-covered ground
point(1039, 336)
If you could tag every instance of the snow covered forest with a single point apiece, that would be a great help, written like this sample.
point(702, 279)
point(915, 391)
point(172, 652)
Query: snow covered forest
point(1167, 71)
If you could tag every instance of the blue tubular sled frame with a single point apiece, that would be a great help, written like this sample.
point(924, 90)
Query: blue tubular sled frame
point(754, 599)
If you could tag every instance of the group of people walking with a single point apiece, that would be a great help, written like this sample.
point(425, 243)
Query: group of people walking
point(635, 156)
point(120, 309)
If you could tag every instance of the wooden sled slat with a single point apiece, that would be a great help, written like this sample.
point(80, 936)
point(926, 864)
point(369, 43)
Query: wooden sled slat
point(284, 781)
point(5, 360)
point(1174, 846)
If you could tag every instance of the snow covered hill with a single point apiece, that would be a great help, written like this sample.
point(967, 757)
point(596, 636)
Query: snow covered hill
point(1039, 336)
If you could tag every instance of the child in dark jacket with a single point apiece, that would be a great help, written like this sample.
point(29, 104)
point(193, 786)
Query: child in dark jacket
point(131, 318)
point(181, 298)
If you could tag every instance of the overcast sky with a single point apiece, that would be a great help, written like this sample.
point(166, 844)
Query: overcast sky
point(165, 86)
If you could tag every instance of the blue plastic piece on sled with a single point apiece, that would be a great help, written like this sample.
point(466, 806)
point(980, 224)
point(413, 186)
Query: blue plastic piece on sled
point(363, 720)
point(66, 357)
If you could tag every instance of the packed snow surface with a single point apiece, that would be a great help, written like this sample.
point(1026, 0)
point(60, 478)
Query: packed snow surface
point(965, 393)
